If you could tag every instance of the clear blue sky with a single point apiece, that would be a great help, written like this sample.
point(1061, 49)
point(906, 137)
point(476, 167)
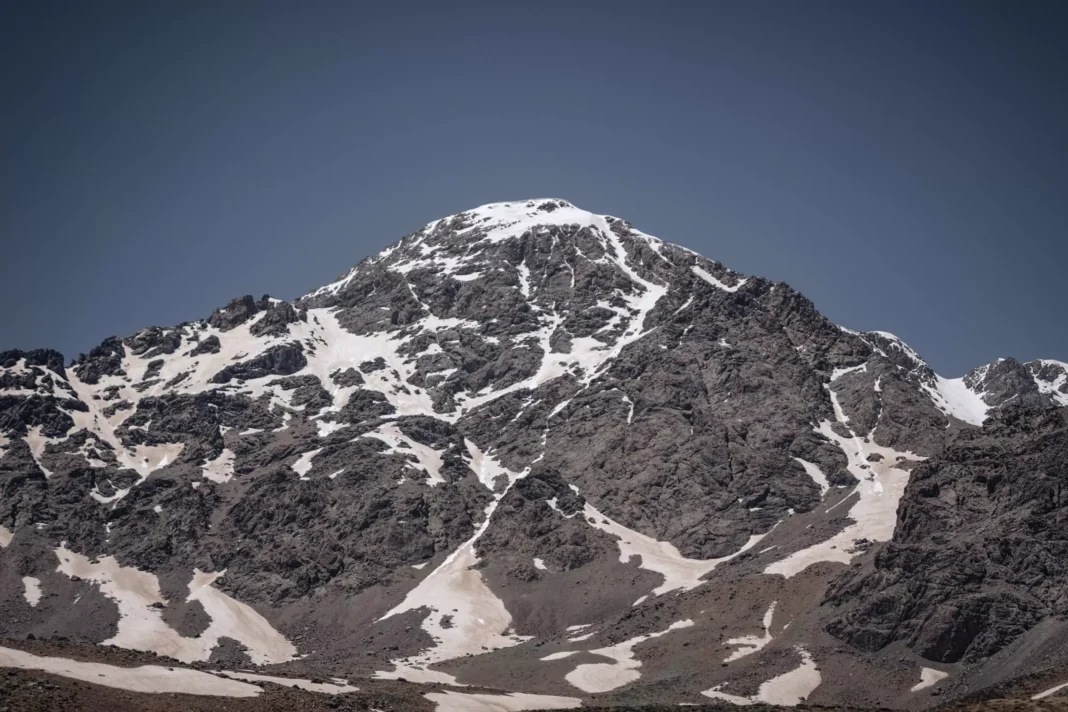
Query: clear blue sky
point(902, 164)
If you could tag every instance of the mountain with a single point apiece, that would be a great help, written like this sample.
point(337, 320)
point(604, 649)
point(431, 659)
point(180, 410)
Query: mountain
point(532, 449)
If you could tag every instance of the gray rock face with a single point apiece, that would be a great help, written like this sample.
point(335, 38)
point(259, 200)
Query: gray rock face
point(535, 401)
point(979, 556)
point(276, 320)
point(104, 360)
point(1009, 384)
point(279, 360)
point(237, 312)
point(208, 345)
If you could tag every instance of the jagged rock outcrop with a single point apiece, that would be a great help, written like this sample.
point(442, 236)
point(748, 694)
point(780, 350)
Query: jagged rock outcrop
point(979, 555)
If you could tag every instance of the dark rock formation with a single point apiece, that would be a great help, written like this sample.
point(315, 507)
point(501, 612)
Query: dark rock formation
point(979, 555)
point(280, 360)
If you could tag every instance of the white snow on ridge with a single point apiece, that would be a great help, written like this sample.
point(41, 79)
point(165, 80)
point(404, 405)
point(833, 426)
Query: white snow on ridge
point(335, 349)
point(880, 486)
point(703, 274)
point(953, 397)
point(144, 459)
point(900, 344)
point(839, 413)
point(1053, 388)
point(339, 349)
point(6, 535)
point(37, 443)
point(629, 402)
point(813, 470)
point(660, 556)
point(511, 219)
point(587, 353)
point(839, 372)
point(328, 347)
point(524, 279)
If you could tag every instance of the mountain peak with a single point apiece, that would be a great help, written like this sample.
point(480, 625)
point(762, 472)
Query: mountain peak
point(464, 245)
point(526, 398)
point(500, 221)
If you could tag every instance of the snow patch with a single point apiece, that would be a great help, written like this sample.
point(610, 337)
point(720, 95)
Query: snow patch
point(232, 619)
point(31, 590)
point(715, 282)
point(929, 677)
point(146, 678)
point(880, 487)
point(602, 677)
point(303, 464)
point(953, 397)
point(37, 443)
point(749, 644)
point(221, 469)
point(660, 556)
point(455, 588)
point(813, 470)
point(326, 427)
point(426, 458)
point(1055, 388)
point(839, 372)
point(787, 690)
point(524, 279)
point(1050, 692)
point(141, 626)
point(450, 701)
point(323, 687)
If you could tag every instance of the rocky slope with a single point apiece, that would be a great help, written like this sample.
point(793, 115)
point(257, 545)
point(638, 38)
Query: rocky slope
point(533, 448)
point(979, 556)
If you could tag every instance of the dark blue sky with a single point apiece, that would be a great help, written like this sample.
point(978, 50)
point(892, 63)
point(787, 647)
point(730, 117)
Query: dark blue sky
point(904, 165)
